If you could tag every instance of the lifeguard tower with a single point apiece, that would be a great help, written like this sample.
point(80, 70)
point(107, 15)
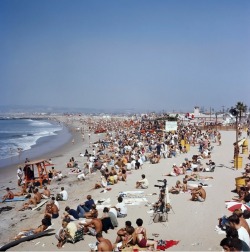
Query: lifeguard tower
point(35, 171)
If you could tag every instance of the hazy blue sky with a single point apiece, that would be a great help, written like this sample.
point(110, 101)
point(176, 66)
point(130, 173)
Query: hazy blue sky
point(125, 54)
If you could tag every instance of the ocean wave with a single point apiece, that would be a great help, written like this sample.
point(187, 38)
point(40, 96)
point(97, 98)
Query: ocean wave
point(37, 123)
point(24, 137)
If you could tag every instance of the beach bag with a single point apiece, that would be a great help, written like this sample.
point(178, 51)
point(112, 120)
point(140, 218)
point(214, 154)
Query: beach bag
point(156, 217)
point(159, 217)
point(163, 217)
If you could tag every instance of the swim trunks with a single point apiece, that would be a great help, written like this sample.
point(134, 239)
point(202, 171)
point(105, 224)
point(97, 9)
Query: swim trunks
point(92, 231)
point(142, 243)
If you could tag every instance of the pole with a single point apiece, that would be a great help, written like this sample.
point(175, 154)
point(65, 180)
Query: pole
point(216, 120)
point(237, 146)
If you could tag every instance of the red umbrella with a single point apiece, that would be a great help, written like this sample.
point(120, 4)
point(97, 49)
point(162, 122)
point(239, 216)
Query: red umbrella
point(233, 205)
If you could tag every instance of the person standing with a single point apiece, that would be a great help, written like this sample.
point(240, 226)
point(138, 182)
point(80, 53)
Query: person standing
point(19, 175)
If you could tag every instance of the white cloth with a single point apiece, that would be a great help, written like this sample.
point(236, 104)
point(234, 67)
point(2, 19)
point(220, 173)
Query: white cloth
point(122, 207)
point(113, 210)
point(57, 204)
point(243, 235)
point(19, 173)
point(64, 194)
point(144, 182)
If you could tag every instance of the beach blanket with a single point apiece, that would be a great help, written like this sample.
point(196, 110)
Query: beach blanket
point(196, 185)
point(40, 204)
point(164, 244)
point(48, 231)
point(134, 201)
point(22, 198)
point(131, 192)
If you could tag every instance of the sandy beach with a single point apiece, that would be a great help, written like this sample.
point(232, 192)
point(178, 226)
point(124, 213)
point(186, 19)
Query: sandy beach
point(190, 223)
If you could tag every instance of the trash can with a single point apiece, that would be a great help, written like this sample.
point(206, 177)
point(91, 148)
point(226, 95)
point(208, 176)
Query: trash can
point(182, 143)
point(238, 162)
point(187, 147)
point(245, 147)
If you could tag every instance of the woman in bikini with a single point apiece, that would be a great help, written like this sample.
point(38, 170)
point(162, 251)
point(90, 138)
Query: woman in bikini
point(140, 236)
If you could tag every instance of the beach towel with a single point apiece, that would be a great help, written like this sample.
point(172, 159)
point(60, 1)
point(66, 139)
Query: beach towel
point(196, 185)
point(22, 198)
point(48, 231)
point(164, 244)
point(134, 201)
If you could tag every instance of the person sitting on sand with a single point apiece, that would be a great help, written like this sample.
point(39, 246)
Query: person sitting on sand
point(103, 244)
point(243, 222)
point(8, 195)
point(101, 184)
point(140, 236)
point(52, 210)
point(71, 214)
point(155, 159)
point(33, 201)
point(176, 171)
point(46, 193)
point(92, 227)
point(121, 208)
point(143, 183)
point(242, 193)
point(61, 234)
point(93, 213)
point(234, 221)
point(32, 231)
point(177, 188)
point(122, 232)
point(198, 194)
point(63, 195)
point(86, 206)
point(67, 230)
point(122, 175)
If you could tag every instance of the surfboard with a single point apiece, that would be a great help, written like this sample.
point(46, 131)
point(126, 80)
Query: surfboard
point(15, 199)
point(28, 238)
point(40, 204)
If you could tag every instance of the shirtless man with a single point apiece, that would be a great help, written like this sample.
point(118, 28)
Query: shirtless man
point(8, 195)
point(32, 201)
point(93, 227)
point(104, 244)
point(52, 210)
point(46, 193)
point(198, 194)
point(22, 192)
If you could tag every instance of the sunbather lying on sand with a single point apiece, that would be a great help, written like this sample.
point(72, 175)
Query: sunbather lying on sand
point(32, 231)
point(32, 201)
point(22, 192)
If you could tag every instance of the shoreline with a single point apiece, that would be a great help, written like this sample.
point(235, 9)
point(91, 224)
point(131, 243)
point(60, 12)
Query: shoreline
point(41, 148)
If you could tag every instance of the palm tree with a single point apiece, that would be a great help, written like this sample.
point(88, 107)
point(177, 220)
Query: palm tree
point(241, 107)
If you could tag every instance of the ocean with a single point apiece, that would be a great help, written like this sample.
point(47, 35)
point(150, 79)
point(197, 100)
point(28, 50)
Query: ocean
point(29, 138)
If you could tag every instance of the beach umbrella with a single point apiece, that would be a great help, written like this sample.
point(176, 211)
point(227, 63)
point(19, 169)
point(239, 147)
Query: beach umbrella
point(233, 205)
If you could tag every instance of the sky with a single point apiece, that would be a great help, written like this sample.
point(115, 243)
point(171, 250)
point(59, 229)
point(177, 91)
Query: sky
point(125, 54)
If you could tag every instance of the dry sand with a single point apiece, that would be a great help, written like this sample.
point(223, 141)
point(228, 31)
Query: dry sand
point(192, 223)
